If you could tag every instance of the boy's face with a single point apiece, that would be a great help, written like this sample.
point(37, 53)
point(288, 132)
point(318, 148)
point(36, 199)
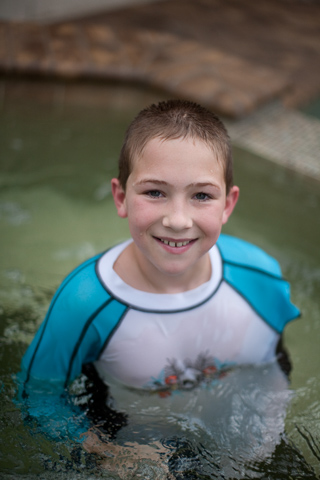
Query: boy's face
point(176, 204)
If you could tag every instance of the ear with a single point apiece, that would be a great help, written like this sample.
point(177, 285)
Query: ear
point(119, 197)
point(231, 201)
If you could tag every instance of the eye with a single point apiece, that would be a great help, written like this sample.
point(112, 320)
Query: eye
point(154, 193)
point(201, 196)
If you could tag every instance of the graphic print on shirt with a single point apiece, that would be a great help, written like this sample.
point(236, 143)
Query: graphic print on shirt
point(186, 375)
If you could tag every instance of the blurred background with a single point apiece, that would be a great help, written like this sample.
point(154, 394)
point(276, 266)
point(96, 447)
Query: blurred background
point(73, 75)
point(45, 10)
point(235, 57)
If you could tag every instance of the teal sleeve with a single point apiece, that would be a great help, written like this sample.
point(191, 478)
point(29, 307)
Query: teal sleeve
point(49, 409)
point(68, 337)
point(80, 320)
point(257, 277)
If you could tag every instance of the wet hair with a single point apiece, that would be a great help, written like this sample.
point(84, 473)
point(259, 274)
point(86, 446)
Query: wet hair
point(171, 120)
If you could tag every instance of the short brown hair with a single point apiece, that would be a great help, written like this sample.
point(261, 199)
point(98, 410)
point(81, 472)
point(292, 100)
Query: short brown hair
point(170, 120)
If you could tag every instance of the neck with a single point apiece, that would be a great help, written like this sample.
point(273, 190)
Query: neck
point(137, 272)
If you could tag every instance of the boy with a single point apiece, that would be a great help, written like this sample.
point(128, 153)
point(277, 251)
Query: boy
point(178, 304)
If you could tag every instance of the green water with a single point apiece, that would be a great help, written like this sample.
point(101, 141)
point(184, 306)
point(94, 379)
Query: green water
point(59, 146)
point(313, 108)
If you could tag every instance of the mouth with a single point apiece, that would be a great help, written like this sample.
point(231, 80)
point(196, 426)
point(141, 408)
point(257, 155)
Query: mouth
point(175, 244)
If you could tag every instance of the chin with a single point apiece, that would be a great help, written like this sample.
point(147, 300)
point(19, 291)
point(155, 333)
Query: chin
point(174, 270)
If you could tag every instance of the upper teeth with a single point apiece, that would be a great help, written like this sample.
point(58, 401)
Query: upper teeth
point(175, 244)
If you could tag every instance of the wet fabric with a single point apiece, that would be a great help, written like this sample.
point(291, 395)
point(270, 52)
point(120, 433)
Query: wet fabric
point(157, 341)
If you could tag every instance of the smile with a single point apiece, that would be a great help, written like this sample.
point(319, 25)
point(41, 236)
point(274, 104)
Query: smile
point(175, 244)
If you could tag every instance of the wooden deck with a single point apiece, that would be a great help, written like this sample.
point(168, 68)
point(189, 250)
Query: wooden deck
point(231, 55)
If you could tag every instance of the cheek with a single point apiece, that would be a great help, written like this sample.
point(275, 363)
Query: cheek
point(210, 219)
point(211, 223)
point(141, 215)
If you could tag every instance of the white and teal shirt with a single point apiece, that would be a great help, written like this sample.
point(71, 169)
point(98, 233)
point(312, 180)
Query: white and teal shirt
point(160, 341)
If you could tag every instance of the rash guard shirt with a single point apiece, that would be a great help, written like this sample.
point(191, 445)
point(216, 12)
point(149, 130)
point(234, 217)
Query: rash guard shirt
point(149, 340)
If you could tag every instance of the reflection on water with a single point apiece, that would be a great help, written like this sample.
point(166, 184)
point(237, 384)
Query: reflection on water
point(57, 158)
point(238, 421)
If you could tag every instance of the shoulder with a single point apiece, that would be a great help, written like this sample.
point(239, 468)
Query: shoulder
point(83, 278)
point(80, 318)
point(240, 252)
point(257, 277)
point(82, 293)
point(76, 300)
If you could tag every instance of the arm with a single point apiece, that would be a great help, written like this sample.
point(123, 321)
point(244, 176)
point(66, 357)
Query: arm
point(69, 338)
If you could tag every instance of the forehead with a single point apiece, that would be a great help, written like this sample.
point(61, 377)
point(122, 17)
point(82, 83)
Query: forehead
point(182, 160)
point(175, 146)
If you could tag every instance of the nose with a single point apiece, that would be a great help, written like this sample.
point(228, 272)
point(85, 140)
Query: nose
point(177, 217)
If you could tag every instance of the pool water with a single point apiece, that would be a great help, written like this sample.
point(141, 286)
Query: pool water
point(59, 149)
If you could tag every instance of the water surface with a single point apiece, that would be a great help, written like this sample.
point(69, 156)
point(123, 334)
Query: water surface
point(59, 149)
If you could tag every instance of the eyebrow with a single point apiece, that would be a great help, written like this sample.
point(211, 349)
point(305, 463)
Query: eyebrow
point(151, 180)
point(162, 182)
